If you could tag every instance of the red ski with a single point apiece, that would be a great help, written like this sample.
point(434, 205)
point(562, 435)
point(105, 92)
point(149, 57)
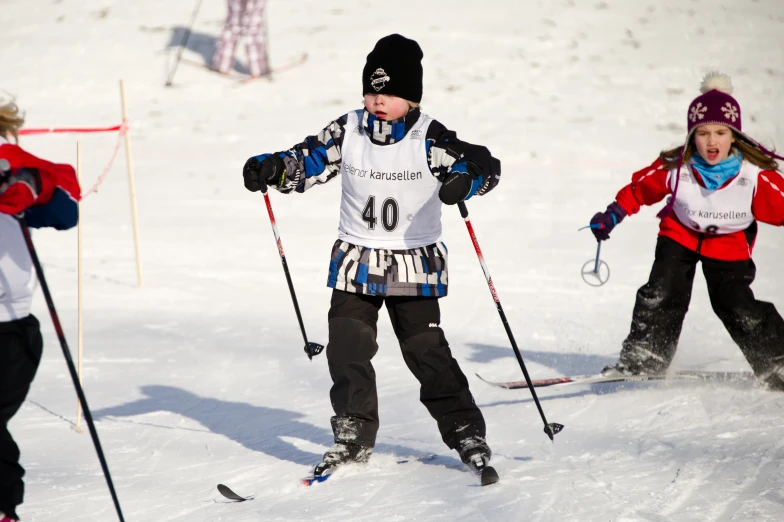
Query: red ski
point(241, 78)
point(598, 378)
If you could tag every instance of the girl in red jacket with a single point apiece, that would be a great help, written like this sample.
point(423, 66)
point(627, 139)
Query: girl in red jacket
point(720, 184)
point(45, 194)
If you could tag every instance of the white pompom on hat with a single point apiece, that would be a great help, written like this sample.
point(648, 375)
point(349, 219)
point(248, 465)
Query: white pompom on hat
point(715, 105)
point(717, 81)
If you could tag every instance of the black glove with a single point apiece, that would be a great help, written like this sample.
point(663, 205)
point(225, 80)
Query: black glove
point(458, 183)
point(258, 173)
point(603, 222)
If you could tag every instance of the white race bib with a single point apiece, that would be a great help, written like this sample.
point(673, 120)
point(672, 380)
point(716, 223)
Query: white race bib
point(390, 197)
point(721, 211)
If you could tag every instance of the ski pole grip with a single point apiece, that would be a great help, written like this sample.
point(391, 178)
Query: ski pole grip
point(463, 210)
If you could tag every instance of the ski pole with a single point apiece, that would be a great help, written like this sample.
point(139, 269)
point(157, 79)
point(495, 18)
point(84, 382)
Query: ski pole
point(69, 361)
point(311, 349)
point(550, 429)
point(184, 42)
point(597, 262)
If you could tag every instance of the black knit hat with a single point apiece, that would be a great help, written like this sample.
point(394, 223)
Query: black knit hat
point(394, 67)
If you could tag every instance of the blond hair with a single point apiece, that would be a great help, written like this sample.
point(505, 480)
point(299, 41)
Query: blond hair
point(750, 150)
point(11, 119)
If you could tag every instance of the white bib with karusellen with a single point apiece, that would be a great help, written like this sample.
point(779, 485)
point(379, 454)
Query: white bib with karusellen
point(390, 197)
point(721, 211)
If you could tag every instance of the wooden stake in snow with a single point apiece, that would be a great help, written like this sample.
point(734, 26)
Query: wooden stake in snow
point(132, 186)
point(79, 272)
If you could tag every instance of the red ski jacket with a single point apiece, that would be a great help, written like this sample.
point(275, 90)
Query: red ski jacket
point(652, 184)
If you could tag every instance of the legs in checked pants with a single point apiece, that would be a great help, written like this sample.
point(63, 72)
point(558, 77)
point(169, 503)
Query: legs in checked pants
point(246, 19)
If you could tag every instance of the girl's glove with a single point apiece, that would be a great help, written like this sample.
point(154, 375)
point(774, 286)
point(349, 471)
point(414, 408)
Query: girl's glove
point(603, 222)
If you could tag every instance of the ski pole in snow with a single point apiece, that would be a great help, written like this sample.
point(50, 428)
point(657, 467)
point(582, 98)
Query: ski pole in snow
point(310, 348)
point(594, 277)
point(69, 361)
point(552, 428)
point(183, 44)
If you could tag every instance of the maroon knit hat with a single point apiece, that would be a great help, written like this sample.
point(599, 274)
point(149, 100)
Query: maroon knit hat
point(715, 105)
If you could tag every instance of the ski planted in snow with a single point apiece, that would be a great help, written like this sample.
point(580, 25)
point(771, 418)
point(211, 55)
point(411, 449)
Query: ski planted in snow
point(598, 378)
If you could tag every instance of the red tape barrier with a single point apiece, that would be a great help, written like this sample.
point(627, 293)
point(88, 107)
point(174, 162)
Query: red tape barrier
point(122, 128)
point(23, 132)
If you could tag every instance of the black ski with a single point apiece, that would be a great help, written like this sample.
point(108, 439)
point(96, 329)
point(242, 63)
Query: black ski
point(489, 476)
point(312, 478)
point(229, 494)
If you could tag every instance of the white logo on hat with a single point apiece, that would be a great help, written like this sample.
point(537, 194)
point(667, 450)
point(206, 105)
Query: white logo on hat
point(379, 79)
point(698, 112)
point(730, 112)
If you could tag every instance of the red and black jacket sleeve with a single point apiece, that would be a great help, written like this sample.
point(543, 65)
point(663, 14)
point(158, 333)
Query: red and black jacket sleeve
point(56, 202)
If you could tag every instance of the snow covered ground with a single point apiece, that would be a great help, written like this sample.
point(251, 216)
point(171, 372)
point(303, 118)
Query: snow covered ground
point(200, 378)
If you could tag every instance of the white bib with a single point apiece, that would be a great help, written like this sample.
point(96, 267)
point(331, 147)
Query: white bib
point(721, 211)
point(16, 271)
point(390, 197)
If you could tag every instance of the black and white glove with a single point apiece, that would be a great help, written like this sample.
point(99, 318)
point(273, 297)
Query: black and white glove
point(264, 170)
point(460, 184)
point(467, 178)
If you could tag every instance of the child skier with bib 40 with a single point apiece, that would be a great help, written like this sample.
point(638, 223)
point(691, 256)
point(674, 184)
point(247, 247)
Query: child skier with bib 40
point(721, 182)
point(45, 194)
point(398, 165)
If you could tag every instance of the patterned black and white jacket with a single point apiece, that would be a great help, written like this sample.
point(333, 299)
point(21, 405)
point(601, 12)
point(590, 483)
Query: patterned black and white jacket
point(418, 271)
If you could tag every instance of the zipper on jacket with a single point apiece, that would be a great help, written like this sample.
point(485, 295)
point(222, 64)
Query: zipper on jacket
point(699, 242)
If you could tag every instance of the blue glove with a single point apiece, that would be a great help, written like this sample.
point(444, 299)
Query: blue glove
point(603, 222)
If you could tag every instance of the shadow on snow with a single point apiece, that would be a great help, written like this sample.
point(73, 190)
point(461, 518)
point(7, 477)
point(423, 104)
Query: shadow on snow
point(258, 428)
point(202, 44)
point(565, 363)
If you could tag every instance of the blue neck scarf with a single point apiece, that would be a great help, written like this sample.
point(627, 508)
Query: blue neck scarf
point(715, 176)
point(386, 132)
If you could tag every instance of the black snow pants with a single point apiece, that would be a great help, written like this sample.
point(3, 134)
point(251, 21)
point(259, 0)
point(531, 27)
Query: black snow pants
point(21, 346)
point(662, 303)
point(352, 344)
